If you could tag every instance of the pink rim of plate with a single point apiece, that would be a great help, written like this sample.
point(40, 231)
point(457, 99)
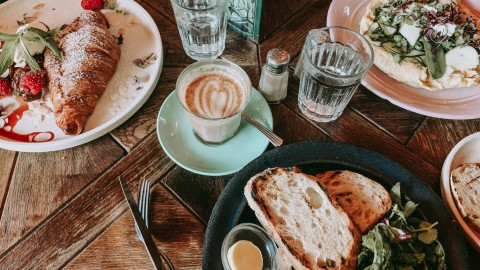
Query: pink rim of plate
point(456, 103)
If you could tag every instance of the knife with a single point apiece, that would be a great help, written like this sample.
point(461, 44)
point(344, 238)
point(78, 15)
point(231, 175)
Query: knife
point(147, 237)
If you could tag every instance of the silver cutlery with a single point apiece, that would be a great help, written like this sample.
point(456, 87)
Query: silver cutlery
point(272, 137)
point(143, 202)
point(146, 236)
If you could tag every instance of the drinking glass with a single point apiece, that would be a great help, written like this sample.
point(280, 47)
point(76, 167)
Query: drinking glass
point(335, 60)
point(202, 26)
point(213, 130)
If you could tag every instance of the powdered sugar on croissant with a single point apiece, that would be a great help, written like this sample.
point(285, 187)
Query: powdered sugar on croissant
point(89, 59)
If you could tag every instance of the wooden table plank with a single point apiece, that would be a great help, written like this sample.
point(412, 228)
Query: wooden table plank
point(173, 229)
point(62, 235)
point(144, 121)
point(7, 161)
point(352, 128)
point(291, 35)
point(41, 182)
point(436, 137)
point(398, 122)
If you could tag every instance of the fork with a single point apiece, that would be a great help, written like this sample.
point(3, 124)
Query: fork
point(143, 202)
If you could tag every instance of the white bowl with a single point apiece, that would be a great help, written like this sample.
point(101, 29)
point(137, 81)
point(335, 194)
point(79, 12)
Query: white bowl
point(466, 151)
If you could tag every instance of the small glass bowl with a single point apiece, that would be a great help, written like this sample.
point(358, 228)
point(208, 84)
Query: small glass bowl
point(259, 237)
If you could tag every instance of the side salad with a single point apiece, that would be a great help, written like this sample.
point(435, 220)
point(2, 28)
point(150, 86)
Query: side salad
point(437, 34)
point(401, 241)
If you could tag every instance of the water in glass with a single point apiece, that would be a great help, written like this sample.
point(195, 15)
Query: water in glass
point(328, 80)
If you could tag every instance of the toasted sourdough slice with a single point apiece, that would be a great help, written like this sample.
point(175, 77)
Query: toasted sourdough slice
point(364, 200)
point(297, 212)
point(465, 183)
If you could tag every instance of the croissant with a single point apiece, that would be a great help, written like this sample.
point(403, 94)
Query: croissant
point(89, 59)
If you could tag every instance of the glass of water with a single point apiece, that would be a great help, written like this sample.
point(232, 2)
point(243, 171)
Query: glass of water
point(202, 25)
point(335, 59)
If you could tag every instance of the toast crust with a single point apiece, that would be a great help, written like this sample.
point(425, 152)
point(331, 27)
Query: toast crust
point(364, 200)
point(268, 187)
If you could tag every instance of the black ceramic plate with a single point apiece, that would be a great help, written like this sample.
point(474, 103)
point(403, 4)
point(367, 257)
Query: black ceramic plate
point(316, 157)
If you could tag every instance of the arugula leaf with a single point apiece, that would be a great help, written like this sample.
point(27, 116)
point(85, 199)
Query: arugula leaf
point(401, 242)
point(47, 39)
point(18, 41)
point(32, 63)
point(6, 57)
point(395, 194)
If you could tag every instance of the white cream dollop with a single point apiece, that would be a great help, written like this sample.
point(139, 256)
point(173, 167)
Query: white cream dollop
point(33, 47)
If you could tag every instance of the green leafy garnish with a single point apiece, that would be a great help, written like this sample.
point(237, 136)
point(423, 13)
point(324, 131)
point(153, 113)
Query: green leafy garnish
point(401, 241)
point(435, 62)
point(18, 41)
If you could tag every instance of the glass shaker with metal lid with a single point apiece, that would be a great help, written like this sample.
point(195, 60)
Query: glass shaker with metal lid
point(274, 78)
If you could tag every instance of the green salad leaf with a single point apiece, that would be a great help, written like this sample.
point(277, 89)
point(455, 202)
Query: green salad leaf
point(18, 40)
point(401, 241)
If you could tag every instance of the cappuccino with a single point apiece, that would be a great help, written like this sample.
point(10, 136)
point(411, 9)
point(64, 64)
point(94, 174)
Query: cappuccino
point(214, 95)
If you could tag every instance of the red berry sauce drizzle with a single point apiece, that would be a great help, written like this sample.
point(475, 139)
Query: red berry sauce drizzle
point(12, 121)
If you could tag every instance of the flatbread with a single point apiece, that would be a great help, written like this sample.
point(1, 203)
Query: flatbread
point(412, 72)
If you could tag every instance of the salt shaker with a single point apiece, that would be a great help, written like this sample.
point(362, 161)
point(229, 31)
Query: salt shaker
point(274, 78)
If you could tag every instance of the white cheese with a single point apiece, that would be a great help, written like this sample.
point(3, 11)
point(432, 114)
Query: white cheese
point(461, 58)
point(447, 29)
point(410, 33)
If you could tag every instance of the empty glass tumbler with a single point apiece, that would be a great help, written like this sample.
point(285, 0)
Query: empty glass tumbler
point(335, 60)
point(202, 25)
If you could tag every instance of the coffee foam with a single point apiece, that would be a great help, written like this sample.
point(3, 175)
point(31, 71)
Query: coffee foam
point(214, 95)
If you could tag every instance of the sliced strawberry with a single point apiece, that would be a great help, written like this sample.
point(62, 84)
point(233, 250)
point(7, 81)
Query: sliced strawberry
point(92, 4)
point(33, 82)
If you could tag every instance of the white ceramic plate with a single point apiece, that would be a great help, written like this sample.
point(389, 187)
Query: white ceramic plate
point(456, 103)
point(126, 91)
point(466, 151)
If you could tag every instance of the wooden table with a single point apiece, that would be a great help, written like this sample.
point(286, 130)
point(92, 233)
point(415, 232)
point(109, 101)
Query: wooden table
point(65, 209)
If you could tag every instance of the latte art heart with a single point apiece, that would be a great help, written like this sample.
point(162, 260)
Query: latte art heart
point(214, 95)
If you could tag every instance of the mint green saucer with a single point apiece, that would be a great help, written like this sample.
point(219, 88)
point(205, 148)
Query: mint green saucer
point(184, 148)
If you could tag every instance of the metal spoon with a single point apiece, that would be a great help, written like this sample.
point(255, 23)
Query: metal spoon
point(272, 137)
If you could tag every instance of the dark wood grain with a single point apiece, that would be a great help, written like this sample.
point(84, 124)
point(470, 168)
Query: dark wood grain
point(436, 137)
point(199, 193)
point(41, 182)
point(291, 35)
point(398, 122)
point(173, 229)
point(352, 128)
point(62, 235)
point(276, 13)
point(7, 160)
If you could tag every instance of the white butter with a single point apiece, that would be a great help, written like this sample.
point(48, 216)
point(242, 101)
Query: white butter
point(410, 33)
point(33, 47)
point(244, 255)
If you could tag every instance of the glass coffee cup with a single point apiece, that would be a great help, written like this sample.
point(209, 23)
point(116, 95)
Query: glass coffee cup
point(213, 94)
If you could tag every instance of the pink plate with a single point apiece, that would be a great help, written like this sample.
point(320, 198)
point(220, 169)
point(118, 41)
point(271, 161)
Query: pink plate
point(455, 103)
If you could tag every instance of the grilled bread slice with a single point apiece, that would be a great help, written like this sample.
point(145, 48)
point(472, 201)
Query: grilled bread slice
point(465, 183)
point(296, 210)
point(364, 200)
